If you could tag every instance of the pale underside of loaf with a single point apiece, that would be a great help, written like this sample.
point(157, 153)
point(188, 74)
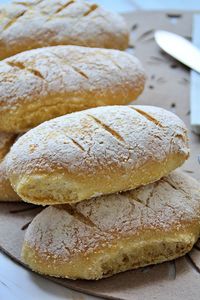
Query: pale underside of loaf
point(34, 24)
point(97, 151)
point(44, 83)
point(98, 238)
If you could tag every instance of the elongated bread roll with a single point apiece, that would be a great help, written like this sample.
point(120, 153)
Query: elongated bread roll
point(110, 234)
point(41, 84)
point(34, 24)
point(6, 141)
point(96, 151)
point(6, 191)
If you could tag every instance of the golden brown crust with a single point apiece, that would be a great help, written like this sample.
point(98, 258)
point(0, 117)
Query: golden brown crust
point(96, 151)
point(34, 24)
point(6, 141)
point(41, 84)
point(6, 191)
point(100, 237)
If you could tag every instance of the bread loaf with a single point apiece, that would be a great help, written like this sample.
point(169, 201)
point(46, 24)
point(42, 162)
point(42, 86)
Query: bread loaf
point(34, 24)
point(6, 140)
point(41, 84)
point(110, 234)
point(6, 191)
point(96, 151)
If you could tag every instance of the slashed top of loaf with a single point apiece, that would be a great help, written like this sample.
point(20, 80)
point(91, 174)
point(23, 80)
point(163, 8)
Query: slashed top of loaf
point(100, 139)
point(70, 72)
point(162, 207)
point(33, 24)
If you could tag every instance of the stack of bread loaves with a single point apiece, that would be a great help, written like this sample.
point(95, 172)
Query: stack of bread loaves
point(41, 84)
point(103, 166)
point(117, 207)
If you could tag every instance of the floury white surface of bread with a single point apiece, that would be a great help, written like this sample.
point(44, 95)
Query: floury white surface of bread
point(95, 152)
point(28, 25)
point(110, 234)
point(45, 83)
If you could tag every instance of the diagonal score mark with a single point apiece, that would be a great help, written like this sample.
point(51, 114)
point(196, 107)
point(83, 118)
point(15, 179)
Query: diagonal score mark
point(180, 189)
point(17, 64)
point(21, 66)
point(75, 69)
point(92, 8)
point(78, 215)
point(27, 4)
point(22, 3)
point(147, 116)
point(12, 21)
point(36, 73)
point(59, 10)
point(80, 72)
point(170, 183)
point(108, 129)
point(76, 143)
point(64, 6)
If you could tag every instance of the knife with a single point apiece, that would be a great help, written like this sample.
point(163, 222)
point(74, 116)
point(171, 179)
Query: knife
point(179, 48)
point(189, 55)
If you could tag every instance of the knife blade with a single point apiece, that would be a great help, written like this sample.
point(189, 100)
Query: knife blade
point(188, 54)
point(179, 48)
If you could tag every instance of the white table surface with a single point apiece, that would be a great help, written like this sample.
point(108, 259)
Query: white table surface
point(16, 283)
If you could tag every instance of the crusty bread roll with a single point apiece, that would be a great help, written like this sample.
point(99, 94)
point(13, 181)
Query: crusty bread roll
point(6, 141)
point(6, 191)
point(41, 84)
point(34, 24)
point(110, 234)
point(96, 151)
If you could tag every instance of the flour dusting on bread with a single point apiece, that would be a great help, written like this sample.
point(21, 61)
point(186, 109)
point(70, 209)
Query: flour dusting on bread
point(85, 140)
point(97, 238)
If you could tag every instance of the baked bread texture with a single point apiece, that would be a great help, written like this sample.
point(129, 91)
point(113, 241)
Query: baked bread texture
point(42, 84)
point(6, 141)
point(114, 233)
point(95, 152)
point(6, 191)
point(28, 25)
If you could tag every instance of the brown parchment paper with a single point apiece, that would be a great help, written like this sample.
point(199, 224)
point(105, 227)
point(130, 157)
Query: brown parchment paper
point(168, 86)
